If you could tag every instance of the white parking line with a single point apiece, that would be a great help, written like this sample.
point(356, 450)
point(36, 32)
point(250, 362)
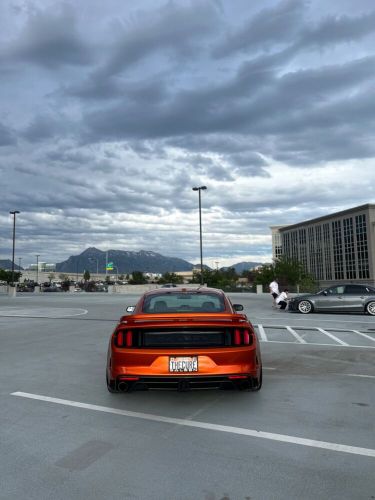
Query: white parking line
point(364, 335)
point(314, 344)
point(312, 319)
point(295, 334)
point(367, 452)
point(333, 337)
point(357, 375)
point(43, 312)
point(262, 333)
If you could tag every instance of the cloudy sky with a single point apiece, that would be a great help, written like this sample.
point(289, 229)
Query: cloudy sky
point(112, 111)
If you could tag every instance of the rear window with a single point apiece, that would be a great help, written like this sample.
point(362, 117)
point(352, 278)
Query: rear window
point(183, 302)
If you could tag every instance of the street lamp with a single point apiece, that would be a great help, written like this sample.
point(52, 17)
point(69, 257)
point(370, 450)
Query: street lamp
point(37, 268)
point(14, 212)
point(199, 189)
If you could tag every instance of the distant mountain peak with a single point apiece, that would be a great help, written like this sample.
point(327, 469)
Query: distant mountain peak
point(124, 262)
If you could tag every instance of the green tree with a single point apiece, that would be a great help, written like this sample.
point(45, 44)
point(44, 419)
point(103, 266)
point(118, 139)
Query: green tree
point(289, 272)
point(217, 278)
point(7, 276)
point(86, 275)
point(171, 278)
point(137, 278)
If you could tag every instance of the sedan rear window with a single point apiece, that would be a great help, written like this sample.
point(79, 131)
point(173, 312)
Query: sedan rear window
point(183, 302)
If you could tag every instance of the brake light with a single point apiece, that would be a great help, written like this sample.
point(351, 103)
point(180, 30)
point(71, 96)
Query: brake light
point(237, 337)
point(129, 338)
point(242, 337)
point(124, 338)
point(246, 337)
point(120, 339)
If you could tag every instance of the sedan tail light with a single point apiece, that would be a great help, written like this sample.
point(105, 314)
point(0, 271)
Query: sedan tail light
point(242, 337)
point(124, 338)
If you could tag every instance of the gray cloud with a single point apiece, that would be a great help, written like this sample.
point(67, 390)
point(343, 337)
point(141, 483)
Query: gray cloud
point(269, 27)
point(175, 27)
point(111, 114)
point(7, 136)
point(49, 39)
point(339, 29)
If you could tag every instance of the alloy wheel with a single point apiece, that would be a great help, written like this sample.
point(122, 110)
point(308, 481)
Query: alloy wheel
point(304, 307)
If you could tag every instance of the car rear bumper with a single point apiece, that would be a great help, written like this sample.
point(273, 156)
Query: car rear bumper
point(186, 382)
point(210, 362)
point(216, 368)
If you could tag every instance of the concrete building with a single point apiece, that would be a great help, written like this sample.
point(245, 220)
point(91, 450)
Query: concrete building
point(276, 242)
point(43, 267)
point(335, 248)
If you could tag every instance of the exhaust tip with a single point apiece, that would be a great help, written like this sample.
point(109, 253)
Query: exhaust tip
point(123, 387)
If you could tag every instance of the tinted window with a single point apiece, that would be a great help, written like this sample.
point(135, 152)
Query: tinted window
point(355, 290)
point(183, 302)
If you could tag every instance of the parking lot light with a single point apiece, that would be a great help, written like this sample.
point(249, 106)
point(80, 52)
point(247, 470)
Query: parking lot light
point(199, 189)
point(14, 213)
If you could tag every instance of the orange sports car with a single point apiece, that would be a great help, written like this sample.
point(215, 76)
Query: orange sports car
point(184, 339)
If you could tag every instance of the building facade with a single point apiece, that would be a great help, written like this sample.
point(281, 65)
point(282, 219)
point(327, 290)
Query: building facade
point(335, 248)
point(277, 249)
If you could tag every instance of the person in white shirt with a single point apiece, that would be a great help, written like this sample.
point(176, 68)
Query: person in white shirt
point(282, 299)
point(274, 291)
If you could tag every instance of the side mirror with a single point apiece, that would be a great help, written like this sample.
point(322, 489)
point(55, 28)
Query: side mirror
point(238, 307)
point(130, 309)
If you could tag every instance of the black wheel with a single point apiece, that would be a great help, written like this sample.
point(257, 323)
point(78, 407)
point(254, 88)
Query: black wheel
point(111, 385)
point(257, 383)
point(305, 307)
point(370, 308)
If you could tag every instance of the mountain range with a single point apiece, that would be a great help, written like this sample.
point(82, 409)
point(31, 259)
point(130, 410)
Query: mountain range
point(6, 264)
point(126, 262)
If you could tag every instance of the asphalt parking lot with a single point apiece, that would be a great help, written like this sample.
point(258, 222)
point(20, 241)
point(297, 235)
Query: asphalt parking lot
point(308, 434)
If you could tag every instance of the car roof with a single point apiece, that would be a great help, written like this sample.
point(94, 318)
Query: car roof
point(168, 291)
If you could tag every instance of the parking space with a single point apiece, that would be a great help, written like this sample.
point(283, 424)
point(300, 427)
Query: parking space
point(316, 335)
point(311, 423)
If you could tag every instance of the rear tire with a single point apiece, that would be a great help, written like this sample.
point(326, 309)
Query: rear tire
point(257, 383)
point(111, 385)
point(370, 308)
point(305, 307)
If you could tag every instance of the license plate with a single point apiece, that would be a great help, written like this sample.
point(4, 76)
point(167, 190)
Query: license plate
point(183, 364)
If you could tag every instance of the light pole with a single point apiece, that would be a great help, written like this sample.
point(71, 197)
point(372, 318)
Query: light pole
point(14, 212)
point(199, 189)
point(37, 268)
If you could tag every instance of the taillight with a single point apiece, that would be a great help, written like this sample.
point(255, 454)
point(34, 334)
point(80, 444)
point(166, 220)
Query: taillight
point(124, 338)
point(242, 337)
point(120, 339)
point(129, 338)
point(237, 337)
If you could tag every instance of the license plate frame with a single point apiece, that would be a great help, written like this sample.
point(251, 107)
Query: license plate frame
point(183, 364)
